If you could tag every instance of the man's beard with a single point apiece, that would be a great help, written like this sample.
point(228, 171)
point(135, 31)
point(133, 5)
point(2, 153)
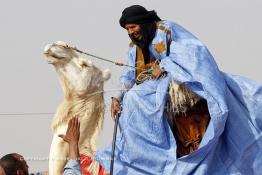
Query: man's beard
point(140, 43)
point(147, 31)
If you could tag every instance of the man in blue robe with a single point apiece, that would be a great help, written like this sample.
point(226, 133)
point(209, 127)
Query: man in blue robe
point(232, 106)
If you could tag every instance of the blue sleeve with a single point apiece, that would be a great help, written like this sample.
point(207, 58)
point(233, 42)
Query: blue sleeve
point(190, 62)
point(129, 73)
point(128, 76)
point(72, 168)
point(183, 55)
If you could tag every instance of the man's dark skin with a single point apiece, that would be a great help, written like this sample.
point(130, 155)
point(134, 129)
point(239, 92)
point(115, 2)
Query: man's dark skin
point(2, 172)
point(14, 164)
point(24, 169)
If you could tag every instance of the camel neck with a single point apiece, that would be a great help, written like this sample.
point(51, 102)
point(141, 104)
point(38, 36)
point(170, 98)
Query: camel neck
point(92, 93)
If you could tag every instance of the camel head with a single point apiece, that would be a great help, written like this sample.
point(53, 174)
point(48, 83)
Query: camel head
point(78, 76)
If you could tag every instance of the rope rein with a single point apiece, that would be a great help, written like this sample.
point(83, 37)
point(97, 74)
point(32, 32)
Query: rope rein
point(144, 75)
point(94, 56)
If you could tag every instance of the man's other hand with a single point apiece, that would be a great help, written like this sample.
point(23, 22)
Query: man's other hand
point(156, 71)
point(115, 108)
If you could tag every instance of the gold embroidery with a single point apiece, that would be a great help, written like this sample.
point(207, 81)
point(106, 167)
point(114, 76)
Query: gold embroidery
point(168, 32)
point(140, 62)
point(160, 27)
point(131, 44)
point(160, 47)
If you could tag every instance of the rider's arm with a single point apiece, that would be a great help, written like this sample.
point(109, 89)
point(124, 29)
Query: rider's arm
point(72, 168)
point(127, 78)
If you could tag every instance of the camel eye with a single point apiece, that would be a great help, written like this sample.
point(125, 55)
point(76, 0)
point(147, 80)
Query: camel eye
point(66, 46)
point(84, 65)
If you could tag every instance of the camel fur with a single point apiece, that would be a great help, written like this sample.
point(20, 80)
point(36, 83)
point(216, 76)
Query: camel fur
point(82, 84)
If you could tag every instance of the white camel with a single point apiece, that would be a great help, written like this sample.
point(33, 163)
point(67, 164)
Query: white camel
point(82, 84)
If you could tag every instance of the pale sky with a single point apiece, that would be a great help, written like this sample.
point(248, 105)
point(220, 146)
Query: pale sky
point(230, 29)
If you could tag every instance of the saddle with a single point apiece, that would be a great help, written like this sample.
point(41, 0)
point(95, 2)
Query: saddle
point(189, 127)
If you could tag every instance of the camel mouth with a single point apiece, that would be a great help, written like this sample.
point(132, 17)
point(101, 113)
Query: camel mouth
point(47, 54)
point(50, 56)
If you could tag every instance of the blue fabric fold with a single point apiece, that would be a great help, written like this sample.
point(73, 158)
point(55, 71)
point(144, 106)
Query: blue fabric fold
point(232, 143)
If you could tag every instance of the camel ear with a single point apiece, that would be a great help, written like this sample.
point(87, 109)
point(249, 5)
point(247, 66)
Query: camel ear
point(85, 63)
point(106, 74)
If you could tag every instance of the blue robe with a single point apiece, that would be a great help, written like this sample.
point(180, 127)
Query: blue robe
point(232, 143)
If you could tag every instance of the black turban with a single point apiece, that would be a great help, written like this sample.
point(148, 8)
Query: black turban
point(138, 15)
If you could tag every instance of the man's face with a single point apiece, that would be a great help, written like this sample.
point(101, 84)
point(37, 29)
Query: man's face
point(134, 31)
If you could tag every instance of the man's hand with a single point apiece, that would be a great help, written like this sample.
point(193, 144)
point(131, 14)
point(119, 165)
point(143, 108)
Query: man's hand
point(72, 137)
point(115, 108)
point(156, 71)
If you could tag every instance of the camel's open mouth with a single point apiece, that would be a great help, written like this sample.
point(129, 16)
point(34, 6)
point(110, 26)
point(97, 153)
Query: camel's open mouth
point(50, 56)
point(53, 55)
